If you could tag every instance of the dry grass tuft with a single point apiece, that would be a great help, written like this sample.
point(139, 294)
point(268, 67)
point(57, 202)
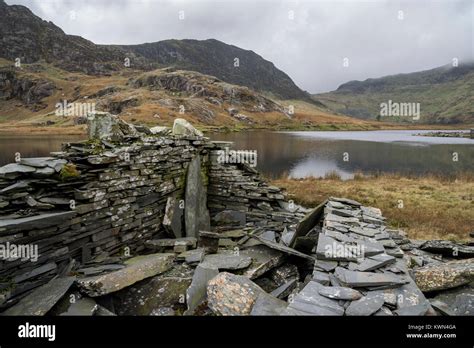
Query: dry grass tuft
point(430, 207)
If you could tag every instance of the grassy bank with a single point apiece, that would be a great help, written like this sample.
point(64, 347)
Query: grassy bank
point(429, 207)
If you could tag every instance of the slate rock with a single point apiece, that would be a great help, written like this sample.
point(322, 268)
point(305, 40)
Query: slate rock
point(138, 268)
point(172, 221)
point(268, 305)
point(164, 290)
point(230, 218)
point(444, 276)
point(196, 214)
point(228, 261)
point(340, 293)
point(418, 310)
point(365, 279)
point(230, 294)
point(263, 260)
point(184, 128)
point(311, 302)
point(374, 262)
point(197, 291)
point(42, 299)
point(367, 305)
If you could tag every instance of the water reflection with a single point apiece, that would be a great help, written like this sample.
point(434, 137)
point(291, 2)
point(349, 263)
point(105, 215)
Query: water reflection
point(301, 154)
point(31, 146)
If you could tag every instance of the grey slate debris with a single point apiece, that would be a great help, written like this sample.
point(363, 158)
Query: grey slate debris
point(97, 209)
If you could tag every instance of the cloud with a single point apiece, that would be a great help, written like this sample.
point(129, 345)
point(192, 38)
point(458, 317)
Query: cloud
point(308, 40)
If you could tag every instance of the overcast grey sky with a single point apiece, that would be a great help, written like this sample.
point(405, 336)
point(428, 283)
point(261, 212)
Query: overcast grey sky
point(308, 40)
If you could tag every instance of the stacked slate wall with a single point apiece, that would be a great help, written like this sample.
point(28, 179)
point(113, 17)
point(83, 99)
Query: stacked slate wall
point(107, 197)
point(104, 197)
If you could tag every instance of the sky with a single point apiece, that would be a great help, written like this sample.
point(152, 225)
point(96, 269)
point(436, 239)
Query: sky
point(320, 44)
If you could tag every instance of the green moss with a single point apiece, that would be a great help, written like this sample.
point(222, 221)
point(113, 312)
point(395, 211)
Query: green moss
point(69, 171)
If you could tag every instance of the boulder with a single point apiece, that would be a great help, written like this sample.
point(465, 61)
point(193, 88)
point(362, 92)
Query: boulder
point(444, 276)
point(230, 294)
point(184, 128)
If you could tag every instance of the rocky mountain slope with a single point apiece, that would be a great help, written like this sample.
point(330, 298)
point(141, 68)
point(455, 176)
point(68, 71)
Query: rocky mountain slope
point(445, 94)
point(25, 36)
point(227, 62)
point(29, 97)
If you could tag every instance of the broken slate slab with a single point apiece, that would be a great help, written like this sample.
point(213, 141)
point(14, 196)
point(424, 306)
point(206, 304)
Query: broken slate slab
point(332, 250)
point(138, 268)
point(228, 261)
point(285, 289)
point(42, 299)
point(197, 291)
point(311, 302)
point(268, 305)
point(282, 248)
point(192, 256)
point(374, 262)
point(340, 293)
point(364, 279)
point(308, 222)
point(263, 260)
point(366, 305)
point(170, 242)
point(326, 265)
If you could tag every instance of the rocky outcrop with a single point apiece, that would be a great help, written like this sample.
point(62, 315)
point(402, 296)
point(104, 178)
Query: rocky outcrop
point(30, 91)
point(444, 276)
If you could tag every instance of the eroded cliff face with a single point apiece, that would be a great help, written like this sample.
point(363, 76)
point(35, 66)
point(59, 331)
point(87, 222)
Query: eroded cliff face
point(29, 90)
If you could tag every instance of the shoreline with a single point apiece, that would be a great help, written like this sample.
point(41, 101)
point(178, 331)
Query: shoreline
point(19, 130)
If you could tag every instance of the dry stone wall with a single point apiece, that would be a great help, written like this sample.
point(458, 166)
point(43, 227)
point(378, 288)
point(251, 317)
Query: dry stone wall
point(113, 192)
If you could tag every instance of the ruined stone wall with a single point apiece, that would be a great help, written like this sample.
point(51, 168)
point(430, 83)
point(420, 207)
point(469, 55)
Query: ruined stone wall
point(91, 198)
point(109, 195)
point(238, 195)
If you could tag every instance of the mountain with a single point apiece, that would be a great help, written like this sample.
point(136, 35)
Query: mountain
point(227, 62)
point(25, 36)
point(445, 95)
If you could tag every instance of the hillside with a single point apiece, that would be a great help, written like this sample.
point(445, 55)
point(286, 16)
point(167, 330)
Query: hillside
point(25, 36)
point(445, 94)
point(29, 98)
point(227, 62)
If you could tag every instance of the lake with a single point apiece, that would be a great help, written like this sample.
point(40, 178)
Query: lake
point(301, 154)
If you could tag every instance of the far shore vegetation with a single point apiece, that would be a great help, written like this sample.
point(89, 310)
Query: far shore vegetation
point(426, 207)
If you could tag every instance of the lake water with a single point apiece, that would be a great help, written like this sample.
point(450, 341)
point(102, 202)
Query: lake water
point(301, 154)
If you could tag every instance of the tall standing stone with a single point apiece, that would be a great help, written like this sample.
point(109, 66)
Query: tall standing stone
point(196, 214)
